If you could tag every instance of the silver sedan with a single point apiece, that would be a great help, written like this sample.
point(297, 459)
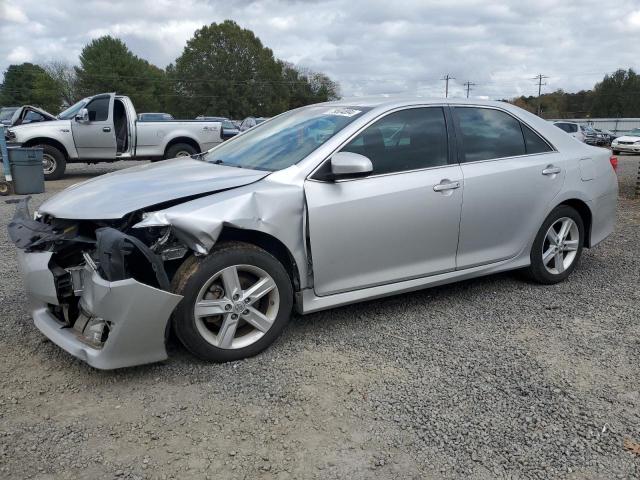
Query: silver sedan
point(321, 206)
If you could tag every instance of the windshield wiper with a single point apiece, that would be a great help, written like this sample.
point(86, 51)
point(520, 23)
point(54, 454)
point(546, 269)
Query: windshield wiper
point(222, 162)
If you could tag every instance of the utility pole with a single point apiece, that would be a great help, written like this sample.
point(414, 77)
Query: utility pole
point(446, 79)
point(539, 78)
point(468, 85)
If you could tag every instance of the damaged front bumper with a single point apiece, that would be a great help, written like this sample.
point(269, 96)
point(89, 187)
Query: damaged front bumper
point(135, 315)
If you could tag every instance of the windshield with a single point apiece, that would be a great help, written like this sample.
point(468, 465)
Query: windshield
point(285, 140)
point(70, 112)
point(635, 132)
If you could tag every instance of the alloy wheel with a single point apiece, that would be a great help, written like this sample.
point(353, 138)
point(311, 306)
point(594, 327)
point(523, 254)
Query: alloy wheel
point(48, 164)
point(560, 245)
point(236, 307)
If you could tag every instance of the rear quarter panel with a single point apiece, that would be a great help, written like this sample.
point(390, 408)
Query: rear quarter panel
point(153, 137)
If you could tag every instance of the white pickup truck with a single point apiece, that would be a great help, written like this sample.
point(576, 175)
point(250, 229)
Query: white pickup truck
point(104, 128)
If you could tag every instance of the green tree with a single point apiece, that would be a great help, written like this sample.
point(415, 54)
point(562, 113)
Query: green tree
point(29, 84)
point(618, 95)
point(226, 70)
point(107, 65)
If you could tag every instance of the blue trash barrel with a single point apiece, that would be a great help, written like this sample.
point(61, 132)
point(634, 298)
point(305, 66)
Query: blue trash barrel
point(26, 170)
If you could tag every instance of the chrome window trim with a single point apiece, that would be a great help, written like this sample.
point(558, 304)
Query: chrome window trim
point(443, 106)
point(460, 164)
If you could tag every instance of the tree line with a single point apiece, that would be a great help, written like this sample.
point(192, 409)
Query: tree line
point(616, 96)
point(224, 70)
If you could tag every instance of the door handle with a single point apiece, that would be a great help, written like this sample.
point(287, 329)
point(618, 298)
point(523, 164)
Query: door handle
point(106, 129)
point(441, 187)
point(551, 170)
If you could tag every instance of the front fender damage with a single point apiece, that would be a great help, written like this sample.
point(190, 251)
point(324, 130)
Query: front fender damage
point(275, 209)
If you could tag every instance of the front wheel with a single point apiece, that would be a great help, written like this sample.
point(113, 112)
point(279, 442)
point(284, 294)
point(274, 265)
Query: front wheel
point(236, 302)
point(558, 246)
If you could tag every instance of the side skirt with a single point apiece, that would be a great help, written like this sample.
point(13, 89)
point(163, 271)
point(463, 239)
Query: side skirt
point(308, 302)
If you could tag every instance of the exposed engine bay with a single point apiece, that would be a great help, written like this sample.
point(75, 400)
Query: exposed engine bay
point(111, 249)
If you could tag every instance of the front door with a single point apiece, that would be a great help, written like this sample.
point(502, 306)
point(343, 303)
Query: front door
point(511, 174)
point(402, 221)
point(96, 138)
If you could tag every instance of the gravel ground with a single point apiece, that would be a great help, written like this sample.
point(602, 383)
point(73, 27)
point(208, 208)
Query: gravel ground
point(489, 378)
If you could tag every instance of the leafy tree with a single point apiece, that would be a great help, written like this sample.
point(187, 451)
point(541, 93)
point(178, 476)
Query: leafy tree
point(107, 65)
point(30, 84)
point(226, 70)
point(618, 95)
point(65, 77)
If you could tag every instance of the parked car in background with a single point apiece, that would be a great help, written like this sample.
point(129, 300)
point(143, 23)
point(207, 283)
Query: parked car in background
point(103, 128)
point(29, 114)
point(629, 142)
point(592, 137)
point(572, 129)
point(154, 117)
point(609, 136)
point(322, 206)
point(229, 129)
point(6, 113)
point(251, 122)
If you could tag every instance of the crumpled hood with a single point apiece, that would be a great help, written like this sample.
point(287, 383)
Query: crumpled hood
point(113, 195)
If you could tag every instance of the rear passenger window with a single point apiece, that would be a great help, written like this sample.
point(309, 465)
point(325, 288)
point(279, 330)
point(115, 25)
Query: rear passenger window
point(533, 141)
point(409, 139)
point(488, 133)
point(98, 109)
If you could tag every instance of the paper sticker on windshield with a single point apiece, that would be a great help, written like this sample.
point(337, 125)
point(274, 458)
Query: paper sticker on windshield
point(343, 112)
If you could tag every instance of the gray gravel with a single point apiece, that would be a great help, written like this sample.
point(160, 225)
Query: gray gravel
point(489, 378)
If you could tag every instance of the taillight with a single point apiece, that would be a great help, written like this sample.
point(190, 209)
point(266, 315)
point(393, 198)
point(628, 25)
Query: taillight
point(614, 162)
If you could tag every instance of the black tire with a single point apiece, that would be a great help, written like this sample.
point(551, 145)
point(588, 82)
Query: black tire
point(193, 275)
point(616, 152)
point(57, 160)
point(537, 270)
point(179, 150)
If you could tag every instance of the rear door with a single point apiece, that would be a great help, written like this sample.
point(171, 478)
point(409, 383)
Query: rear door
point(96, 139)
point(511, 174)
point(398, 223)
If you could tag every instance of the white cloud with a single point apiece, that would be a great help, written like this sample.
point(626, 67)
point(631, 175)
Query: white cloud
point(10, 12)
point(20, 55)
point(368, 46)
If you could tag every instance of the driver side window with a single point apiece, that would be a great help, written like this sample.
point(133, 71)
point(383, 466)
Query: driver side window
point(98, 109)
point(410, 139)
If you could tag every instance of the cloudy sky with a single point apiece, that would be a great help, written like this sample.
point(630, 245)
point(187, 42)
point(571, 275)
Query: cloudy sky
point(368, 46)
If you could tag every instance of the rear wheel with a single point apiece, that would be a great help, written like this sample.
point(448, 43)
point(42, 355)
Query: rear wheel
point(558, 246)
point(179, 150)
point(53, 162)
point(236, 302)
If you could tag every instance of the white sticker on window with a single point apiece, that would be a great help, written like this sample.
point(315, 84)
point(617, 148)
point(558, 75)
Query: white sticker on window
point(343, 112)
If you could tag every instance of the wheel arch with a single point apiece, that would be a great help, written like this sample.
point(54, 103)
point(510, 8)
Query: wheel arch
point(48, 141)
point(182, 139)
point(268, 243)
point(585, 213)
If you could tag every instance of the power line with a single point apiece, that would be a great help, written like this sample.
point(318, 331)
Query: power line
point(446, 79)
point(539, 77)
point(468, 85)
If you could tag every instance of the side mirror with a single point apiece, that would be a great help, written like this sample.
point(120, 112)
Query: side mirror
point(82, 116)
point(350, 165)
point(226, 134)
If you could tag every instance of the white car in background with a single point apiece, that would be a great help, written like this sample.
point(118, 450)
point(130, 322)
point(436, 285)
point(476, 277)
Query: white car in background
point(627, 143)
point(574, 129)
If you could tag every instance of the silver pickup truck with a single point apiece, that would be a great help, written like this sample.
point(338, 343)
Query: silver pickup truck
point(104, 128)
